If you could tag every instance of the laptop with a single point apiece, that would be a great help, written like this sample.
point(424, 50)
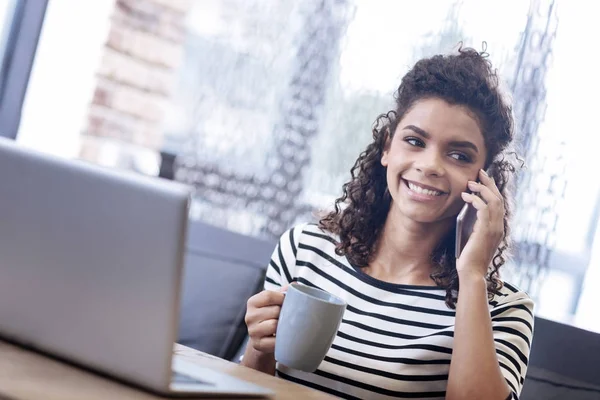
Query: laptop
point(91, 264)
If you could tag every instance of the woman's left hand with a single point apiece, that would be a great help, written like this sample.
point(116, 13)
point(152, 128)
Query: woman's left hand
point(488, 230)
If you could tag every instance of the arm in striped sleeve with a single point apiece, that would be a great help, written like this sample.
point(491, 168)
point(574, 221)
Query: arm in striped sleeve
point(512, 324)
point(279, 273)
point(280, 270)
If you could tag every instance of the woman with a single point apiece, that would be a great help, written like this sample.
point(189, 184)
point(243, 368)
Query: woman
point(419, 323)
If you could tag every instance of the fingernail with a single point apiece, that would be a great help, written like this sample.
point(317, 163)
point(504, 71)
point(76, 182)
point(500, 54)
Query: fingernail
point(472, 184)
point(464, 194)
point(484, 173)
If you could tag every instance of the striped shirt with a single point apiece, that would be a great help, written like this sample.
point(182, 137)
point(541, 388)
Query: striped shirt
point(395, 341)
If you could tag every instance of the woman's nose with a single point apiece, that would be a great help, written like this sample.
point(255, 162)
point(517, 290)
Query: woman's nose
point(430, 164)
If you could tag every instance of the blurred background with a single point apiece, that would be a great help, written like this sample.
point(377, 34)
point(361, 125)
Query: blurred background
point(264, 105)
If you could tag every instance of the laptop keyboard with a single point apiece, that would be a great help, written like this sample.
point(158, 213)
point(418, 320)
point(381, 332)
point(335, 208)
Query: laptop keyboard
point(186, 379)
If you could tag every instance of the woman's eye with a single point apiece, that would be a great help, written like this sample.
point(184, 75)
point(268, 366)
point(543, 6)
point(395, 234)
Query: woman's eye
point(414, 142)
point(461, 157)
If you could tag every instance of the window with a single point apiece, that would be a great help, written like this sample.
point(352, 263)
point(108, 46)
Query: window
point(21, 22)
point(6, 17)
point(265, 105)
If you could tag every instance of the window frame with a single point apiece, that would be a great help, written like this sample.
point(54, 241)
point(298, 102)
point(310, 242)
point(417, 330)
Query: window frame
point(21, 41)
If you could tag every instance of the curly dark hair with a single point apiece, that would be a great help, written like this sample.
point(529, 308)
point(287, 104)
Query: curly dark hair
point(468, 79)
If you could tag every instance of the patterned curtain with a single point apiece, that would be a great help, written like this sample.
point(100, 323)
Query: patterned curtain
point(541, 185)
point(266, 194)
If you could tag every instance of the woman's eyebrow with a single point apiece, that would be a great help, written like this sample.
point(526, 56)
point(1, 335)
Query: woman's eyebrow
point(464, 144)
point(418, 130)
point(455, 143)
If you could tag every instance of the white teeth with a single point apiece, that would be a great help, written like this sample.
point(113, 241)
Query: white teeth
point(419, 189)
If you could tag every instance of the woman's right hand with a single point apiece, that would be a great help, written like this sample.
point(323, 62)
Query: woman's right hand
point(262, 314)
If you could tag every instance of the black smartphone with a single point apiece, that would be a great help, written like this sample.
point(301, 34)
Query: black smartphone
point(465, 221)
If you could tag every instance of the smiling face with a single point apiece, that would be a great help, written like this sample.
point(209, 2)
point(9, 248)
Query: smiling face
point(436, 149)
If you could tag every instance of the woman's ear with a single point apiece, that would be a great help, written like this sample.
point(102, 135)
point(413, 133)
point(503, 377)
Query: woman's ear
point(386, 150)
point(385, 157)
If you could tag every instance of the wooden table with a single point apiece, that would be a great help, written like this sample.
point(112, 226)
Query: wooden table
point(26, 375)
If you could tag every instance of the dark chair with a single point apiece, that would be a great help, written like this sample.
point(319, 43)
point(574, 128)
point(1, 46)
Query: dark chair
point(564, 363)
point(222, 270)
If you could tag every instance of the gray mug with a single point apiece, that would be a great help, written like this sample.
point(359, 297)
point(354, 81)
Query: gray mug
point(308, 323)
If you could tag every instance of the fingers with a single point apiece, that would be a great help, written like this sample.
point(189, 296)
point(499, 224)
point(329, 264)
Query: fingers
point(490, 210)
point(261, 318)
point(265, 344)
point(266, 298)
point(483, 213)
point(263, 329)
point(494, 202)
point(486, 193)
point(255, 315)
point(263, 306)
point(489, 182)
point(489, 227)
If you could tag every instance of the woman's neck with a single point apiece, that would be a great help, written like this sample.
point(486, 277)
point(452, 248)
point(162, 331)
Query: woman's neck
point(404, 250)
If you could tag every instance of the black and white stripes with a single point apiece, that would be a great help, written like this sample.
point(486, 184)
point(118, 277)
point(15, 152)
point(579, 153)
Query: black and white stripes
point(395, 341)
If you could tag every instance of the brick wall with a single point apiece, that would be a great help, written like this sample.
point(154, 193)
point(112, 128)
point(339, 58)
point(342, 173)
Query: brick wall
point(134, 82)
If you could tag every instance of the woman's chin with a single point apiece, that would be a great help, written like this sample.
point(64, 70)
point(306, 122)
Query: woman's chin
point(420, 216)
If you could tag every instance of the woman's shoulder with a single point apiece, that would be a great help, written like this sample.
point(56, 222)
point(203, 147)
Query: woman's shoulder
point(512, 294)
point(309, 233)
